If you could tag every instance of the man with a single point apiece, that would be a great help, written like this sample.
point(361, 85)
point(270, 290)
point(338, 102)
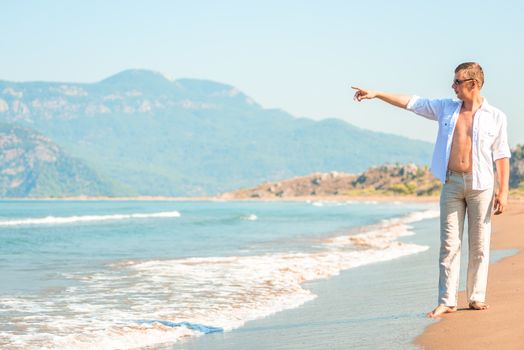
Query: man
point(471, 134)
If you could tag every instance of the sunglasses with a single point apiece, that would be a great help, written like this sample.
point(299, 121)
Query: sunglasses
point(458, 81)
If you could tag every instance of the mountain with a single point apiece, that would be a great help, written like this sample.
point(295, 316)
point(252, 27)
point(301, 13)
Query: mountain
point(33, 166)
point(154, 136)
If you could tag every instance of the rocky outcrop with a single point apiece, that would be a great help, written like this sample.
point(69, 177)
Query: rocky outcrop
point(321, 184)
point(398, 179)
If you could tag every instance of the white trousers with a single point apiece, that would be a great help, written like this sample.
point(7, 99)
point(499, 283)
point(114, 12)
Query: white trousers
point(456, 199)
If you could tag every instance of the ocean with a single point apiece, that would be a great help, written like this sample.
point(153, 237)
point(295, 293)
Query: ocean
point(212, 274)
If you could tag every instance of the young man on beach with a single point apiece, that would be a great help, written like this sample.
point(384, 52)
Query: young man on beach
point(471, 135)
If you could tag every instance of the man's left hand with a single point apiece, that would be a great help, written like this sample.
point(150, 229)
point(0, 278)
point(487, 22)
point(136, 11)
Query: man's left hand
point(500, 203)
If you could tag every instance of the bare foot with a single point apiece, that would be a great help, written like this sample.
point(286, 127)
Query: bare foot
point(478, 305)
point(441, 309)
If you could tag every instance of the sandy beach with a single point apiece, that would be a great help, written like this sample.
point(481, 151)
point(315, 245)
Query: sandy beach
point(501, 326)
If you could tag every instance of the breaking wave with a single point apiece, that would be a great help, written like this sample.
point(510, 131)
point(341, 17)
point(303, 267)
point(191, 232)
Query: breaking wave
point(59, 220)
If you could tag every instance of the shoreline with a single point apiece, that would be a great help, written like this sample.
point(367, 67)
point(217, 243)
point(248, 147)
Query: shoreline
point(514, 198)
point(501, 326)
point(379, 198)
point(341, 316)
point(331, 294)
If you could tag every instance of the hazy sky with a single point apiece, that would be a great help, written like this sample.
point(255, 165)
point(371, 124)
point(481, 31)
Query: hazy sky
point(300, 56)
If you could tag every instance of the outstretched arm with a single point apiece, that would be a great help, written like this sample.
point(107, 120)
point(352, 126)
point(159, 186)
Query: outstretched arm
point(394, 99)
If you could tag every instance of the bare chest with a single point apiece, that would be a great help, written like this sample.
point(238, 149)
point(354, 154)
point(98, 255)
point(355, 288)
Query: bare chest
point(463, 129)
point(461, 158)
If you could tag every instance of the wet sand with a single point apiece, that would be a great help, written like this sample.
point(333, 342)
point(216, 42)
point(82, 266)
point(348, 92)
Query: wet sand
point(501, 326)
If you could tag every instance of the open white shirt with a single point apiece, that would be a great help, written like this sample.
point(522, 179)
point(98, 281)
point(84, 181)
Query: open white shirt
point(489, 137)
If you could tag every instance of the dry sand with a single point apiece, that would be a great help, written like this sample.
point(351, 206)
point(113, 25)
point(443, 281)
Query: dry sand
point(502, 325)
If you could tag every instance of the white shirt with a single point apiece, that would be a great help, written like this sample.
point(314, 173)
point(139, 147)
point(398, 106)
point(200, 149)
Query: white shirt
point(489, 143)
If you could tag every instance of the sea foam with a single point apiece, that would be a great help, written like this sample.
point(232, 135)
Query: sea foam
point(107, 308)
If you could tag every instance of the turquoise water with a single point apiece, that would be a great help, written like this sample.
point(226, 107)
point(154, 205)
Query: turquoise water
point(128, 274)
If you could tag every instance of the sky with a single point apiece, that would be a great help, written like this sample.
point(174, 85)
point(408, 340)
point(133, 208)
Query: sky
point(298, 56)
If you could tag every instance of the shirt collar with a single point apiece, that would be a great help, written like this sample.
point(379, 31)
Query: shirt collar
point(484, 106)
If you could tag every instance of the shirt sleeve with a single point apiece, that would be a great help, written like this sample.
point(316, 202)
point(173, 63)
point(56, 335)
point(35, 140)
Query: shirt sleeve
point(425, 107)
point(500, 147)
